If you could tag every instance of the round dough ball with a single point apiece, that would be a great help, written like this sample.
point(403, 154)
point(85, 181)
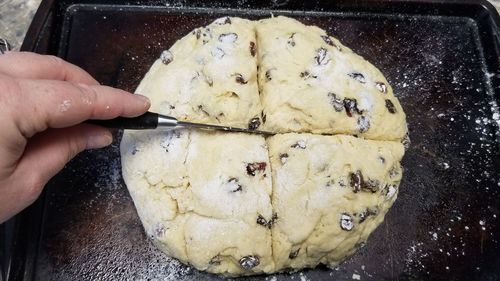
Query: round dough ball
point(240, 204)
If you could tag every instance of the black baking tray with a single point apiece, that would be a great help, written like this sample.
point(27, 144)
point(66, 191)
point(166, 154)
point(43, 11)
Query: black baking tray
point(442, 59)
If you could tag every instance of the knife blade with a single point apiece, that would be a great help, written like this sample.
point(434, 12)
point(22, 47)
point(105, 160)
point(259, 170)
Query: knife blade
point(152, 121)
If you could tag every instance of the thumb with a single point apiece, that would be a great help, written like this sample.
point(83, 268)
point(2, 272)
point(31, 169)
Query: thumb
point(48, 152)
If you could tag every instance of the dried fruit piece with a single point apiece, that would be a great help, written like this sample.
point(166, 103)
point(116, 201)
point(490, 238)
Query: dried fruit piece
point(390, 106)
point(358, 77)
point(300, 144)
point(135, 150)
point(249, 262)
point(268, 75)
point(273, 220)
point(160, 231)
point(197, 32)
point(255, 167)
point(254, 123)
point(365, 214)
point(206, 34)
point(305, 74)
point(371, 185)
point(294, 254)
point(356, 181)
point(166, 57)
point(346, 222)
point(263, 117)
point(253, 50)
point(381, 159)
point(336, 102)
point(283, 158)
point(381, 87)
point(330, 42)
point(342, 182)
point(222, 21)
point(327, 40)
point(363, 124)
point(234, 185)
point(291, 40)
point(228, 37)
point(351, 107)
point(393, 172)
point(406, 141)
point(389, 191)
point(269, 224)
point(360, 245)
point(215, 260)
point(321, 57)
point(261, 220)
point(239, 79)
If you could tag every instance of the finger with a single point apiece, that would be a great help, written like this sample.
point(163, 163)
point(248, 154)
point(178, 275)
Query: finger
point(57, 104)
point(34, 66)
point(48, 152)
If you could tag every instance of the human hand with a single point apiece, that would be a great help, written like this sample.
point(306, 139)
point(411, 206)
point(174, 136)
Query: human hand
point(43, 101)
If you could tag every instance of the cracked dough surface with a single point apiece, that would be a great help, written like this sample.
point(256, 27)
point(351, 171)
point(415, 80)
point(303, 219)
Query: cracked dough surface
point(210, 76)
point(309, 81)
point(239, 204)
point(315, 192)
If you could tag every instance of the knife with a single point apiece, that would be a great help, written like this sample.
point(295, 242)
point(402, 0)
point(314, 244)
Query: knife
point(151, 120)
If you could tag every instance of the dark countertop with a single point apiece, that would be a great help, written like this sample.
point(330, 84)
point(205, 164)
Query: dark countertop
point(16, 15)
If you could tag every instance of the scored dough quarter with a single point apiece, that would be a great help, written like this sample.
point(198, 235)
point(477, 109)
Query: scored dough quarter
point(330, 193)
point(209, 76)
point(199, 208)
point(310, 82)
point(239, 204)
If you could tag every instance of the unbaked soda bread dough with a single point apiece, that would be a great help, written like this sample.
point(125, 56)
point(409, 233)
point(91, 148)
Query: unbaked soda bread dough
point(239, 204)
point(310, 82)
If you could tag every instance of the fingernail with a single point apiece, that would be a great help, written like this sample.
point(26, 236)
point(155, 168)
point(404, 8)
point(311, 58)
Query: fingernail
point(99, 140)
point(145, 99)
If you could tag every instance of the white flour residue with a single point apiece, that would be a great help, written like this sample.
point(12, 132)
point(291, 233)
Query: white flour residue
point(414, 256)
point(434, 236)
point(482, 223)
point(65, 106)
point(366, 101)
point(303, 277)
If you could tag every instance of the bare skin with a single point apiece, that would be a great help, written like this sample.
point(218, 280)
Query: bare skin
point(43, 101)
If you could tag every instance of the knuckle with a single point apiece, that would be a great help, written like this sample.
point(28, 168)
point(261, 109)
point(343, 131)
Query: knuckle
point(57, 61)
point(58, 64)
point(88, 93)
point(34, 186)
point(74, 146)
point(11, 96)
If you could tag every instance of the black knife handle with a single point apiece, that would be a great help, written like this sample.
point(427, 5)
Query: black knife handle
point(148, 120)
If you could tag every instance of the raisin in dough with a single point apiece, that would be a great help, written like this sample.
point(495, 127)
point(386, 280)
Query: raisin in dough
point(199, 196)
point(208, 76)
point(329, 194)
point(239, 204)
point(310, 82)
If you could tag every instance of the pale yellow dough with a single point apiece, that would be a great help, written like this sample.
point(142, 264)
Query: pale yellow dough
point(196, 200)
point(209, 76)
point(313, 188)
point(304, 80)
point(239, 204)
